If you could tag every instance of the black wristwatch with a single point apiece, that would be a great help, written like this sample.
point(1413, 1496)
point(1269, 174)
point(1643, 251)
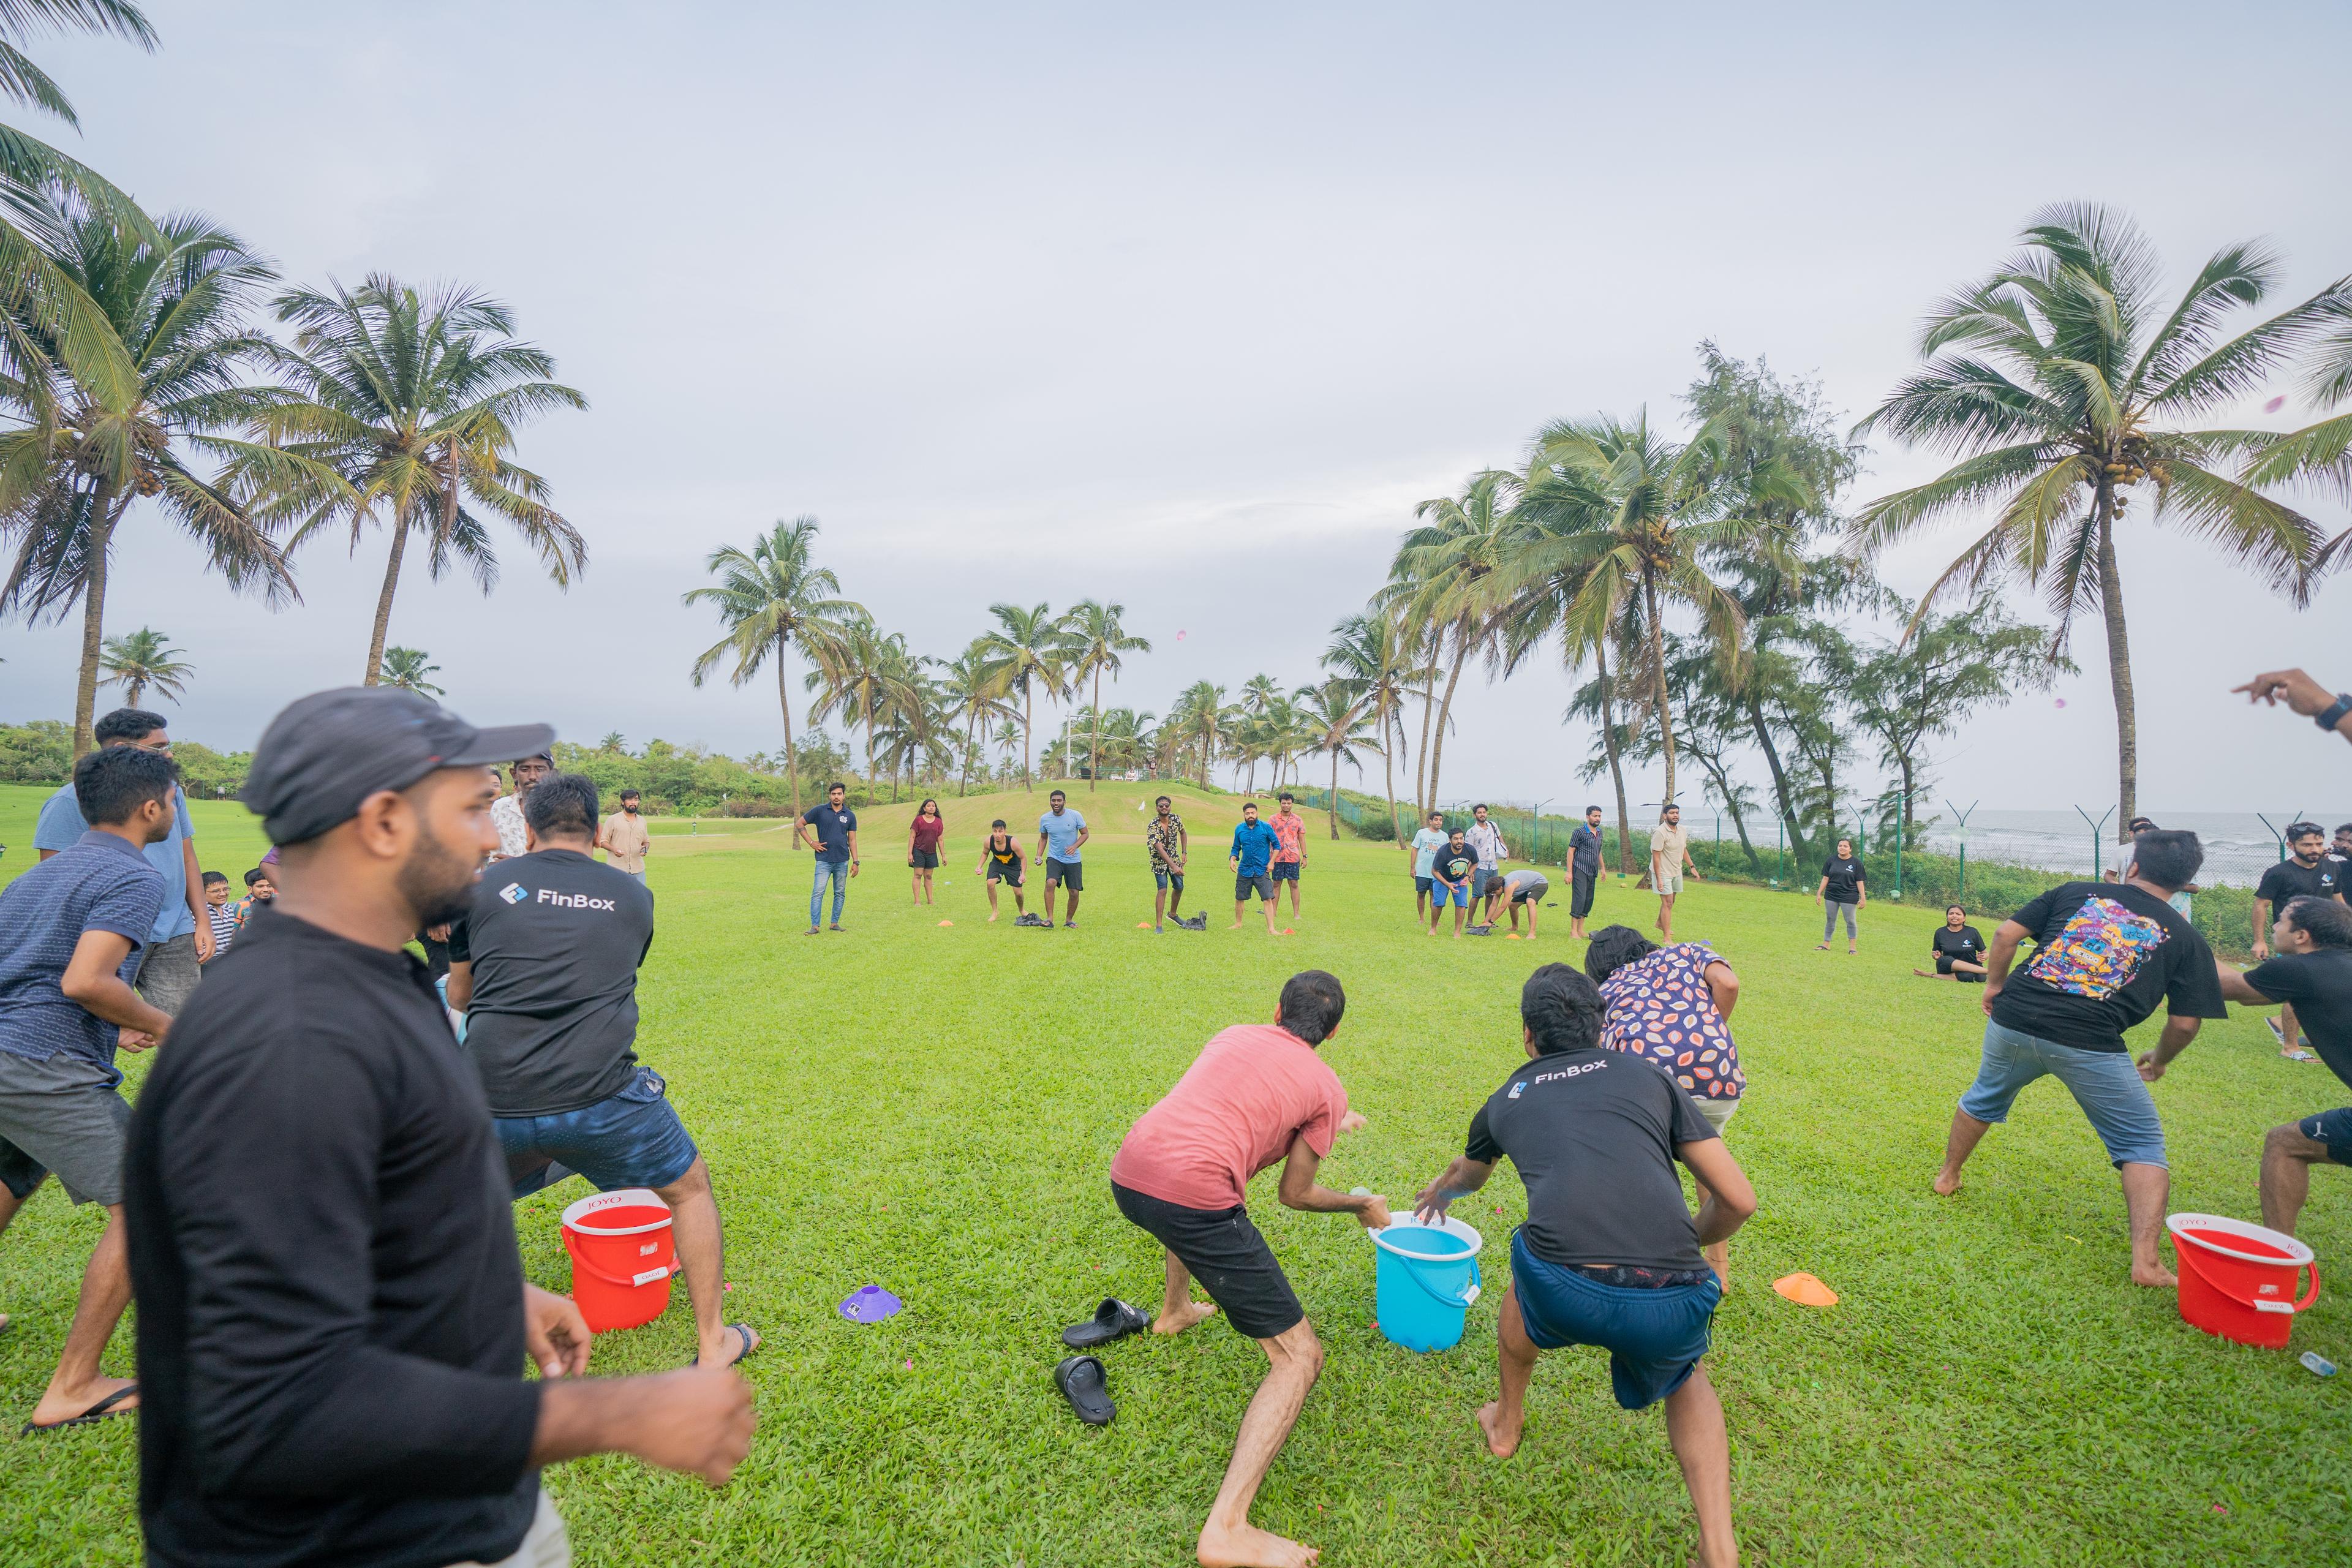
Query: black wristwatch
point(2333, 713)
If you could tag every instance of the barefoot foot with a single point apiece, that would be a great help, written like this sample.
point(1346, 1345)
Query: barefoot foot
point(2155, 1275)
point(1249, 1547)
point(1501, 1441)
point(1947, 1183)
point(1176, 1322)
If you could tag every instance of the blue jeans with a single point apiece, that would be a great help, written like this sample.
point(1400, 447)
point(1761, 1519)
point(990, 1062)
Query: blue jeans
point(2103, 1083)
point(632, 1139)
point(1655, 1337)
point(837, 871)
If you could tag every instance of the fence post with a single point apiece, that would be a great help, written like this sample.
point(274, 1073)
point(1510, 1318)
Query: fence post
point(1899, 808)
point(1780, 849)
point(2099, 840)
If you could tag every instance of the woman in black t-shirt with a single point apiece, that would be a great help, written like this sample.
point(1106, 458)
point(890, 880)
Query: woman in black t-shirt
point(1959, 951)
point(1842, 889)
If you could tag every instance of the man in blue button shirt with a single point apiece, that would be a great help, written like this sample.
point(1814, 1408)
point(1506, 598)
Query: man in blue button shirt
point(173, 953)
point(1254, 847)
point(1060, 832)
point(70, 932)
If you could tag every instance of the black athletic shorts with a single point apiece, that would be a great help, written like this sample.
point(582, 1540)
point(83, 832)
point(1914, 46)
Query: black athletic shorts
point(1226, 1255)
point(1286, 871)
point(1008, 875)
point(1579, 892)
point(1243, 886)
point(1423, 884)
point(1069, 873)
point(2333, 1127)
point(923, 859)
point(1944, 966)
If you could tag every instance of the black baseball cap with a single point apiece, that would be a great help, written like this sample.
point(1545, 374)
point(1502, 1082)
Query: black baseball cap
point(330, 751)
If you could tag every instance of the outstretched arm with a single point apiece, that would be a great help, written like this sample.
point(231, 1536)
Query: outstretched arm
point(2299, 691)
point(1458, 1180)
point(1299, 1189)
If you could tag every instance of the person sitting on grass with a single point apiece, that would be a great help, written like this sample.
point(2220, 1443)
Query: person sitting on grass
point(1256, 1094)
point(1960, 950)
point(1450, 871)
point(1001, 857)
point(2311, 967)
point(2108, 953)
point(1252, 855)
point(1609, 1256)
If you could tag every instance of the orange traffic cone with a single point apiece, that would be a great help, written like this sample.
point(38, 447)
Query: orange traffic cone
point(1805, 1290)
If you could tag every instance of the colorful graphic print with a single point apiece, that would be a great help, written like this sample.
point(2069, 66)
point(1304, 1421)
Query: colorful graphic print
point(1661, 1008)
point(2098, 952)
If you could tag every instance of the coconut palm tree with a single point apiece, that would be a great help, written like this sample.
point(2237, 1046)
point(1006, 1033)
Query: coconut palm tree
point(769, 598)
point(2063, 383)
point(1370, 655)
point(411, 669)
point(1337, 719)
point(1028, 650)
point(968, 690)
point(1439, 579)
point(1097, 639)
point(142, 660)
point(1206, 720)
point(414, 399)
point(175, 305)
point(2318, 455)
point(859, 673)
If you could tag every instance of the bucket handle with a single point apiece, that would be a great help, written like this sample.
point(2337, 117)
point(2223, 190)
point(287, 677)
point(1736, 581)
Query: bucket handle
point(2189, 1256)
point(651, 1275)
point(1469, 1292)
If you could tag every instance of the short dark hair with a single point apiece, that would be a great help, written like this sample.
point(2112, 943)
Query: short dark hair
point(1612, 948)
point(1311, 1005)
point(998, 823)
point(2295, 830)
point(1453, 833)
point(1591, 809)
point(838, 784)
point(111, 783)
point(1670, 806)
point(2168, 857)
point(258, 874)
point(1480, 806)
point(1249, 806)
point(1437, 814)
point(563, 804)
point(1561, 1009)
point(1050, 794)
point(1157, 799)
point(631, 795)
point(2344, 827)
point(1286, 795)
point(212, 876)
point(1949, 907)
point(2326, 922)
point(2137, 823)
point(126, 724)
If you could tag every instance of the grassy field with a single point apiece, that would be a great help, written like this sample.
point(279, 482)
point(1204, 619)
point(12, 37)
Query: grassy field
point(935, 1110)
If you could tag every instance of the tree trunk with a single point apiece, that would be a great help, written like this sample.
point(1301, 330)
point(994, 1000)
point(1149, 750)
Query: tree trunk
point(1334, 793)
point(791, 763)
point(383, 602)
point(1388, 767)
point(102, 515)
point(1093, 739)
point(2119, 675)
point(1788, 819)
point(1658, 679)
point(1028, 733)
point(1437, 746)
point(1421, 801)
point(1616, 768)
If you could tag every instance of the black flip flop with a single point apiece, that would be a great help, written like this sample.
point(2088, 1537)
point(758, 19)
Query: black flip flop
point(102, 1410)
point(1114, 1320)
point(1083, 1383)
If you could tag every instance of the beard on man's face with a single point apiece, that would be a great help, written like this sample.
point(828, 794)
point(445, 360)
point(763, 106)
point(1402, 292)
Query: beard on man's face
point(437, 880)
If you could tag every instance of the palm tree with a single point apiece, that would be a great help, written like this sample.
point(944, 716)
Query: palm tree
point(415, 400)
point(142, 660)
point(174, 305)
point(770, 596)
point(614, 743)
point(1028, 649)
point(410, 670)
point(2318, 453)
point(1371, 656)
point(2061, 381)
point(969, 691)
point(1337, 719)
point(1096, 641)
point(1439, 579)
point(1205, 721)
point(860, 673)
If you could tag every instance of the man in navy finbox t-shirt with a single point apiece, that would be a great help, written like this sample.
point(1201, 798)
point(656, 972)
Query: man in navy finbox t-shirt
point(2108, 952)
point(2311, 968)
point(831, 830)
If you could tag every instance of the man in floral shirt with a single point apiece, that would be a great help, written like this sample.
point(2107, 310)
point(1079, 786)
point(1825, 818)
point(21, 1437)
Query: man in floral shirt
point(1672, 1007)
point(1164, 841)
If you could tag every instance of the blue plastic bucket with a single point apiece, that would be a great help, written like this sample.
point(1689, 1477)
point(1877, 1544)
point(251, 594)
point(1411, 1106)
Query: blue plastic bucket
point(1425, 1279)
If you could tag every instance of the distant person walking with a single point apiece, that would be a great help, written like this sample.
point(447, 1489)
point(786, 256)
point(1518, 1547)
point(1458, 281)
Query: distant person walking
point(625, 838)
point(831, 832)
point(1427, 840)
point(2309, 872)
point(1959, 948)
point(1583, 870)
point(1290, 859)
point(1168, 847)
point(506, 814)
point(1252, 852)
point(1062, 835)
point(1844, 888)
point(2311, 967)
point(923, 836)
point(1669, 855)
point(1000, 860)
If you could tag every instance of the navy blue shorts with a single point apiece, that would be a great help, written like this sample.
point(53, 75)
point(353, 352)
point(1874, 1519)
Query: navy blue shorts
point(1423, 884)
point(632, 1139)
point(2333, 1127)
point(1069, 873)
point(1655, 1337)
point(1286, 871)
point(20, 1171)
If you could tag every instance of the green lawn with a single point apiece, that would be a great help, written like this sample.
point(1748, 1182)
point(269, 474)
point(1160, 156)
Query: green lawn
point(935, 1110)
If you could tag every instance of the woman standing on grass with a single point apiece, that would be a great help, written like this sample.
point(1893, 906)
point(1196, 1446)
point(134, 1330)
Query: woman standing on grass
point(1842, 887)
point(923, 846)
point(1672, 1006)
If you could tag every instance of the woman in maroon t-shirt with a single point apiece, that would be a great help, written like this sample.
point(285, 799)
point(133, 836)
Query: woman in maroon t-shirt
point(923, 846)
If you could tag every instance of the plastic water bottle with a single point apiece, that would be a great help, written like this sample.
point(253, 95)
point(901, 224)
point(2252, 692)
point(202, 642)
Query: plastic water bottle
point(2318, 1364)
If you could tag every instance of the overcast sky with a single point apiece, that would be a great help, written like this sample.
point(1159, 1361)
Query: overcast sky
point(1185, 309)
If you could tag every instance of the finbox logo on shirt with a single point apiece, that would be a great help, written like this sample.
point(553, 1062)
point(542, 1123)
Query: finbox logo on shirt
point(573, 900)
point(514, 893)
point(1564, 1072)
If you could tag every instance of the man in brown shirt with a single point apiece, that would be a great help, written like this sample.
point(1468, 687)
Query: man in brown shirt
point(623, 839)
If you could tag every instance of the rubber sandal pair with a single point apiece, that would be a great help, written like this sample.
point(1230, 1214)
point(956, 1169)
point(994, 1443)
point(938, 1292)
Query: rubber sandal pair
point(105, 1409)
point(1082, 1379)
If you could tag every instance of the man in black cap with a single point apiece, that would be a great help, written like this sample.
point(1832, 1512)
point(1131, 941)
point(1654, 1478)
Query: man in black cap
point(333, 1317)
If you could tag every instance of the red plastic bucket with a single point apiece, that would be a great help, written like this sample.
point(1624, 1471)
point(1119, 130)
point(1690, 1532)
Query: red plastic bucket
point(622, 1257)
point(2238, 1280)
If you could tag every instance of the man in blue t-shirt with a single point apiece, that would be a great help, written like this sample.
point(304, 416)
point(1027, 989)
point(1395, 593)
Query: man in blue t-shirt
point(1426, 842)
point(71, 930)
point(171, 957)
point(1060, 832)
point(1255, 845)
point(831, 830)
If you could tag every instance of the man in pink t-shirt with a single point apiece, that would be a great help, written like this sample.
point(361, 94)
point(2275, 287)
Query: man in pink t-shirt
point(1291, 858)
point(1256, 1095)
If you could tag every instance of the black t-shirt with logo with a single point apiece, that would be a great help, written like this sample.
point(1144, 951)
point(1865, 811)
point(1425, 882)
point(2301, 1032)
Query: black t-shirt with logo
point(1965, 943)
point(2109, 953)
point(2293, 879)
point(2319, 984)
point(1454, 865)
point(1592, 1133)
point(1845, 878)
point(555, 940)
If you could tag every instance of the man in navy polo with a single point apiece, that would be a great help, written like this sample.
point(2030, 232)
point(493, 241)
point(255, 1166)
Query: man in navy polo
point(71, 932)
point(831, 830)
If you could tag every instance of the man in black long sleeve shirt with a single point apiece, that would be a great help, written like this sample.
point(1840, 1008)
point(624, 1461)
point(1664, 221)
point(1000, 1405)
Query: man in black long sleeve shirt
point(332, 1317)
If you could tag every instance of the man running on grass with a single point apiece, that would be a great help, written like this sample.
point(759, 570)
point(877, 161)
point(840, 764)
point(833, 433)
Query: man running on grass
point(1000, 857)
point(1167, 844)
point(831, 830)
point(1256, 1094)
point(1290, 859)
point(2311, 967)
point(544, 966)
point(1583, 870)
point(1669, 853)
point(1608, 1255)
point(1253, 851)
point(2110, 952)
point(1427, 840)
point(1061, 834)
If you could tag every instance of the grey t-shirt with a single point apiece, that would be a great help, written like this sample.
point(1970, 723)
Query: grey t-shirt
point(1525, 886)
point(555, 940)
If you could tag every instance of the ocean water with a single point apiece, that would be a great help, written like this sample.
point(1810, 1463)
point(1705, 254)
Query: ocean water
point(2238, 844)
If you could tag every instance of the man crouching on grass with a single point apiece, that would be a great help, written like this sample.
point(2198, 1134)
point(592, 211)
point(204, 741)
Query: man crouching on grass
point(1256, 1094)
point(1608, 1255)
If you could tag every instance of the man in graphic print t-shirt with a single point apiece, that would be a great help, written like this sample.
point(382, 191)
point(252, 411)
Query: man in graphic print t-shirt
point(2107, 954)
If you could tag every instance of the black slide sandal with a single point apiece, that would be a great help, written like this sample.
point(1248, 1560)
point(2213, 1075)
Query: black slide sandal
point(103, 1410)
point(1114, 1320)
point(1083, 1383)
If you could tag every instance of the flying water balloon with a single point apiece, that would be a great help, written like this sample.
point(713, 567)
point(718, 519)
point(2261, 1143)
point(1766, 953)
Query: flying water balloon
point(2275, 405)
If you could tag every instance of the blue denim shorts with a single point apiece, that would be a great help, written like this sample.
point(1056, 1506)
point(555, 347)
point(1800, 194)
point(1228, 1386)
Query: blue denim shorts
point(1457, 895)
point(632, 1139)
point(1162, 877)
point(1655, 1337)
point(2103, 1083)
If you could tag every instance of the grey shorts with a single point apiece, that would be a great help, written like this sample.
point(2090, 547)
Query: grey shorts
point(66, 1114)
point(168, 973)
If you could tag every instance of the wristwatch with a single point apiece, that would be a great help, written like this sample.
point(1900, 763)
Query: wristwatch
point(2333, 713)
